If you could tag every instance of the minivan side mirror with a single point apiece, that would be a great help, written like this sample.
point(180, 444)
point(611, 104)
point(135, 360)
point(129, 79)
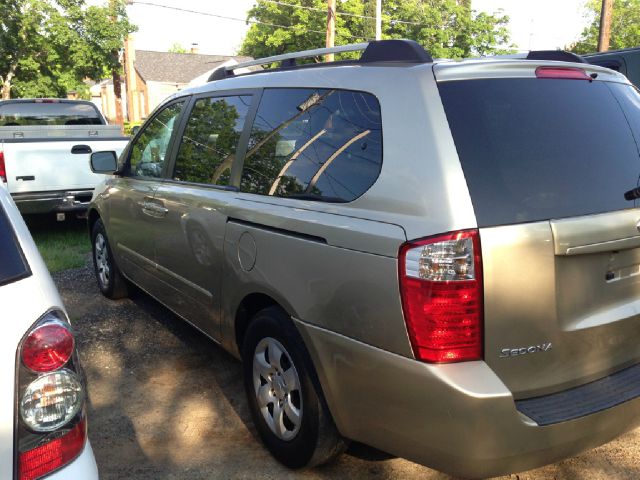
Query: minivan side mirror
point(134, 130)
point(104, 162)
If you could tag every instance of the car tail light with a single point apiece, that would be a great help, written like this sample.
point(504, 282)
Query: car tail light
point(3, 169)
point(51, 401)
point(51, 427)
point(568, 73)
point(441, 290)
point(52, 455)
point(48, 347)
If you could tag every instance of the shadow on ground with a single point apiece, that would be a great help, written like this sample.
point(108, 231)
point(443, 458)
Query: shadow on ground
point(39, 224)
point(167, 403)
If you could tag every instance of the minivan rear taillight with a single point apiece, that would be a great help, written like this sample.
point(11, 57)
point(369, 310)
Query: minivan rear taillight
point(51, 427)
point(441, 290)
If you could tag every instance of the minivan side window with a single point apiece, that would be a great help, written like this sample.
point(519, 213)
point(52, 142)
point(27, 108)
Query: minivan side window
point(149, 149)
point(208, 146)
point(314, 144)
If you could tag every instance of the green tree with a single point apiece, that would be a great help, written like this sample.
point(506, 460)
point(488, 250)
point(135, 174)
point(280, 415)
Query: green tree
point(447, 28)
point(48, 47)
point(177, 48)
point(625, 26)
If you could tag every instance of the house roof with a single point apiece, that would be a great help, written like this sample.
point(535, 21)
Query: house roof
point(177, 67)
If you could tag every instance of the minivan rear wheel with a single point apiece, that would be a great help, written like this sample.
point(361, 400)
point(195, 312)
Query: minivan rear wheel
point(285, 402)
point(111, 282)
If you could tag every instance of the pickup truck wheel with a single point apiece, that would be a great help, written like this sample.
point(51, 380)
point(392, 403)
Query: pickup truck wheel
point(111, 282)
point(285, 402)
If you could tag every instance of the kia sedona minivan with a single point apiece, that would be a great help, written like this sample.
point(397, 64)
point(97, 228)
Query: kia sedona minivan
point(440, 259)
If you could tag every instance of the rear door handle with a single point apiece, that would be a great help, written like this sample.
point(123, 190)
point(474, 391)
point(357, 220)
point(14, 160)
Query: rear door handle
point(26, 178)
point(80, 149)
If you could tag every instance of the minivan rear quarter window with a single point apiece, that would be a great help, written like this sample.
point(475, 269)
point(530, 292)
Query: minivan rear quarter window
point(13, 265)
point(314, 144)
point(535, 149)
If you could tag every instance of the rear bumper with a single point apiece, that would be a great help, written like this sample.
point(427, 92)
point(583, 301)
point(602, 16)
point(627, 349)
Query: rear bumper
point(54, 201)
point(458, 418)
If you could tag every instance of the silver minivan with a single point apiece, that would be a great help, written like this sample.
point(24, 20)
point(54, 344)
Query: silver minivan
point(440, 259)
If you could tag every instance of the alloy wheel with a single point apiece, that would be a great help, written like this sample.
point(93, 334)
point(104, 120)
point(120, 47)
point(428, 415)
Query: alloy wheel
point(277, 388)
point(101, 255)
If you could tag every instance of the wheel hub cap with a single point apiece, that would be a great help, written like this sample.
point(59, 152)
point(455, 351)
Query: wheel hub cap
point(101, 256)
point(277, 388)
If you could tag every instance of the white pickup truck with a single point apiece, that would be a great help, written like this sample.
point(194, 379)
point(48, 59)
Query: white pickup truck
point(45, 146)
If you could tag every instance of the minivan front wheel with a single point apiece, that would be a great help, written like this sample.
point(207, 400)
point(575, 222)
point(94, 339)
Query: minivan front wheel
point(111, 282)
point(288, 412)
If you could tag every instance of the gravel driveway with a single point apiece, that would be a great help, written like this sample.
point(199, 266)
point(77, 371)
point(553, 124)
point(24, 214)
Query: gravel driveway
point(167, 403)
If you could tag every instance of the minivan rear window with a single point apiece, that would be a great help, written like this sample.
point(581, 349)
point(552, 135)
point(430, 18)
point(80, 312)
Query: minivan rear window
point(13, 265)
point(48, 112)
point(535, 149)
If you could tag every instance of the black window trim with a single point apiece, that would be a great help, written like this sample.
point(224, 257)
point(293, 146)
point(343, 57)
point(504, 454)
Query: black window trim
point(241, 149)
point(12, 233)
point(126, 165)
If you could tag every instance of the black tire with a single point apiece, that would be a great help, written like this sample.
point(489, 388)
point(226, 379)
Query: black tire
point(110, 281)
point(315, 440)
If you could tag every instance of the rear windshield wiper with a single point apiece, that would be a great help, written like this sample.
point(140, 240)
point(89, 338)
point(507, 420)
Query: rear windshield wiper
point(632, 194)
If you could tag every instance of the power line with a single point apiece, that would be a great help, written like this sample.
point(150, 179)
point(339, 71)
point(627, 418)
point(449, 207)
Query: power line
point(346, 14)
point(314, 9)
point(288, 27)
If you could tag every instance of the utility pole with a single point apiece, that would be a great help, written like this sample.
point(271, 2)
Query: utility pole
point(115, 74)
point(378, 19)
point(130, 80)
point(331, 28)
point(605, 25)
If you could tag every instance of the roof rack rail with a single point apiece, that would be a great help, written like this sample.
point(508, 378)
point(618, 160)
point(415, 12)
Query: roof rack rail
point(406, 51)
point(558, 55)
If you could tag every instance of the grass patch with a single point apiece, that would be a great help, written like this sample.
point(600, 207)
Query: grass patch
point(63, 245)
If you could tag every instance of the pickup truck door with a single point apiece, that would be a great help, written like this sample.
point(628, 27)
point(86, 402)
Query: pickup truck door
point(136, 215)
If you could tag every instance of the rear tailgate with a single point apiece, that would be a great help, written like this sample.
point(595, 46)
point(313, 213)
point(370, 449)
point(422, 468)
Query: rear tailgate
point(56, 157)
point(547, 162)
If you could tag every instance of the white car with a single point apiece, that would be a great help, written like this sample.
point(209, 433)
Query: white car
point(43, 427)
